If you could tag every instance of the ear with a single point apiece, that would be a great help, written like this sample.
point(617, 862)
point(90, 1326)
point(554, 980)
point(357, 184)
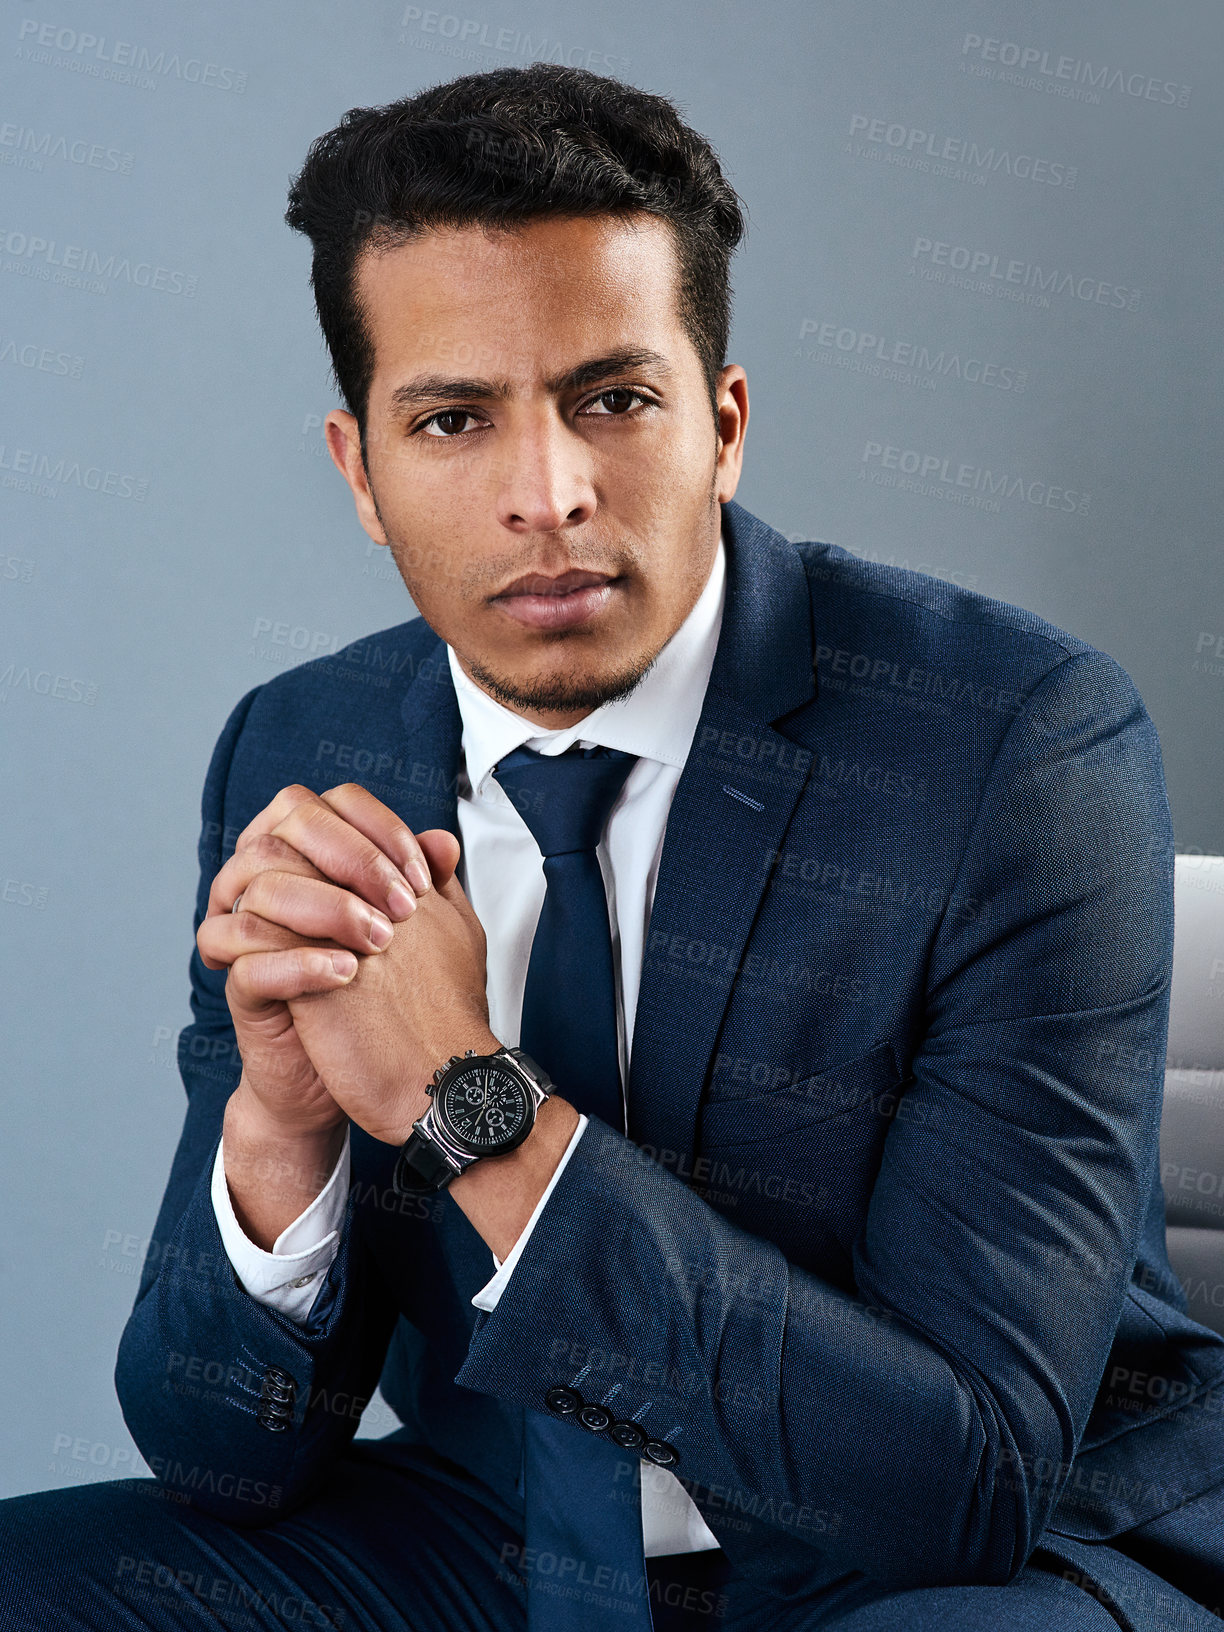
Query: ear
point(732, 395)
point(344, 445)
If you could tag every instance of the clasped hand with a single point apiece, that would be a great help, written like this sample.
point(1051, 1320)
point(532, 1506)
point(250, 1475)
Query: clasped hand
point(324, 881)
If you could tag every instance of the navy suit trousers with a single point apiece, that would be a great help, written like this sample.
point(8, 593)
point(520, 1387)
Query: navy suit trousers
point(400, 1540)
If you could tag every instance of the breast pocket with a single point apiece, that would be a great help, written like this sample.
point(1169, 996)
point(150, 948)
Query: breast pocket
point(862, 1086)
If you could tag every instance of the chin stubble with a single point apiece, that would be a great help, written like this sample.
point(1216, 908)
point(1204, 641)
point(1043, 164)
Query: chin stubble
point(563, 694)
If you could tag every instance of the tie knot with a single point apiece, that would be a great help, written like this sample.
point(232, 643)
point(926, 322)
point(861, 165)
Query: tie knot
point(564, 798)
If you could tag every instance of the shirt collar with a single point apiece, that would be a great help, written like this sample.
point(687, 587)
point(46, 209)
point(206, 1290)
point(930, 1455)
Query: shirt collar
point(656, 721)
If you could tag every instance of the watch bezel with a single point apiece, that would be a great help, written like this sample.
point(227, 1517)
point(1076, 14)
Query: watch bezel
point(452, 1074)
point(450, 1154)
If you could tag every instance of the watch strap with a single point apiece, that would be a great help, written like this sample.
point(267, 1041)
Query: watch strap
point(531, 1069)
point(423, 1166)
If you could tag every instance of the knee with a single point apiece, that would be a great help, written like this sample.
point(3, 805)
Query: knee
point(68, 1556)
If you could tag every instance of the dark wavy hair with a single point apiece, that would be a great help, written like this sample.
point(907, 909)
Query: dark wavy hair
point(497, 150)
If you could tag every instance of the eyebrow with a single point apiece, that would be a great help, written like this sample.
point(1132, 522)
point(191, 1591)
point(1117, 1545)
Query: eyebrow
point(435, 388)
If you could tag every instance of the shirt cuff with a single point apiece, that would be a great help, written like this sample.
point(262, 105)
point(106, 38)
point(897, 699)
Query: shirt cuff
point(488, 1295)
point(289, 1277)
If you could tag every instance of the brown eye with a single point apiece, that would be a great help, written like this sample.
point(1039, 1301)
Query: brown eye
point(447, 423)
point(616, 400)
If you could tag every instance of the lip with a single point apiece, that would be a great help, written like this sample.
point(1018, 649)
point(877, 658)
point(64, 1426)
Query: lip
point(539, 583)
point(562, 602)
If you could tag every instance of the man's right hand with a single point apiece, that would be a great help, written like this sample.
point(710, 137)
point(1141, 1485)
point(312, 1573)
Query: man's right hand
point(333, 871)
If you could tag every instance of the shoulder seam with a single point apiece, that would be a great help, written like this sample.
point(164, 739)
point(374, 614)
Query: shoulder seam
point(980, 623)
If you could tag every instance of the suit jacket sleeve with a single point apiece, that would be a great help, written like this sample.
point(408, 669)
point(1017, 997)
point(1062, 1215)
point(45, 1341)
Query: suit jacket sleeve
point(490, 1293)
point(921, 1430)
point(197, 1349)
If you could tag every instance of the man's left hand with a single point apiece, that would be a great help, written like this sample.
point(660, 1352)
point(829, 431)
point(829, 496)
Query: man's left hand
point(375, 1042)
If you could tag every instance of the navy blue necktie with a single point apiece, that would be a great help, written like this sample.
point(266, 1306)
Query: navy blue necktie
point(582, 1493)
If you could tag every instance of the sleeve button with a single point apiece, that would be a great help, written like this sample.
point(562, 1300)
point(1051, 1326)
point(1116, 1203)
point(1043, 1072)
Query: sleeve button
point(660, 1452)
point(595, 1418)
point(562, 1402)
point(628, 1435)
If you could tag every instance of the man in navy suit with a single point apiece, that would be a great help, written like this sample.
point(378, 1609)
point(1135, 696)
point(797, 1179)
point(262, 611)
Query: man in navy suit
point(852, 1309)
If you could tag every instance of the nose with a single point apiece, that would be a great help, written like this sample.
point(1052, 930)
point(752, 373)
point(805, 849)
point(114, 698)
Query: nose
point(545, 482)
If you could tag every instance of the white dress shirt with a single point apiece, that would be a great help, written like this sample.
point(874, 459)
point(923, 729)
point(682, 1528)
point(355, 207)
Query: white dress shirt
point(502, 872)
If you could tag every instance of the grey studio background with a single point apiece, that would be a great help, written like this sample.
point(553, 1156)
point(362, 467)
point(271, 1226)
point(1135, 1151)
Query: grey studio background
point(979, 310)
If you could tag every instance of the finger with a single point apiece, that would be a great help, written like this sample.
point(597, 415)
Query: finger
point(368, 815)
point(261, 851)
point(223, 939)
point(279, 909)
point(317, 909)
point(441, 850)
point(260, 978)
point(346, 856)
point(382, 827)
point(275, 812)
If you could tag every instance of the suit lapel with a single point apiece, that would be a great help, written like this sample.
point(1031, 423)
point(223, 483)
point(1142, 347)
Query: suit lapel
point(433, 744)
point(735, 797)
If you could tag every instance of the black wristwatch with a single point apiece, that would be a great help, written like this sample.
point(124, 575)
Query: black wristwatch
point(483, 1105)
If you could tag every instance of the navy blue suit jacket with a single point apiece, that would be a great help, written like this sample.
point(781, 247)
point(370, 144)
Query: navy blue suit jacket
point(883, 1255)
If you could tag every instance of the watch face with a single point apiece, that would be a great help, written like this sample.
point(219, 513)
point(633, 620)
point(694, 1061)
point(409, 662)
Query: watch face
point(483, 1107)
